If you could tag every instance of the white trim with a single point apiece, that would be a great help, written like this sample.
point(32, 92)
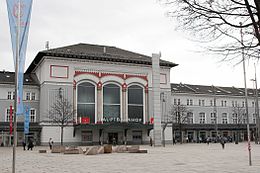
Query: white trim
point(95, 96)
point(121, 98)
point(144, 106)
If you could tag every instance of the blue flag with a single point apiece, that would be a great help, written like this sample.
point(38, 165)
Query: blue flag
point(26, 119)
point(25, 14)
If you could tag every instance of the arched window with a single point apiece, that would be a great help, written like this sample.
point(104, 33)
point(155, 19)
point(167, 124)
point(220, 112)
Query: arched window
point(135, 104)
point(86, 101)
point(111, 103)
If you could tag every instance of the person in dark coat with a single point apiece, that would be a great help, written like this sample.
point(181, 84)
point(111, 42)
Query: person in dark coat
point(30, 145)
point(24, 145)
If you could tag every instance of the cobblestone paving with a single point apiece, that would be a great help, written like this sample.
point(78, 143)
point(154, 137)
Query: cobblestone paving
point(185, 158)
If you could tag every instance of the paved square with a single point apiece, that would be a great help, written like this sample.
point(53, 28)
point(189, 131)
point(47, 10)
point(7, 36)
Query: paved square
point(185, 158)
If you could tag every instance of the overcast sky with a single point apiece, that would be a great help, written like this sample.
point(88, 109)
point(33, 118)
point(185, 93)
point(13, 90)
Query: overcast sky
point(139, 26)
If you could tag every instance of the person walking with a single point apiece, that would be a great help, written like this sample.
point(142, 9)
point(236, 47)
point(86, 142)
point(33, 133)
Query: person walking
point(30, 145)
point(50, 143)
point(24, 145)
point(222, 141)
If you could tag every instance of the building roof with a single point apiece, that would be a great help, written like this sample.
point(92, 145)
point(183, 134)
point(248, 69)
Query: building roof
point(7, 77)
point(210, 90)
point(98, 53)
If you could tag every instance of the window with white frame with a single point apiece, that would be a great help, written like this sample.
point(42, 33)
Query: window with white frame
point(179, 101)
point(9, 95)
point(86, 101)
point(202, 102)
point(213, 118)
point(32, 115)
point(28, 96)
point(135, 103)
point(234, 118)
point(202, 117)
point(7, 114)
point(211, 103)
point(189, 118)
point(174, 102)
point(111, 103)
point(224, 118)
point(13, 95)
point(189, 102)
point(33, 96)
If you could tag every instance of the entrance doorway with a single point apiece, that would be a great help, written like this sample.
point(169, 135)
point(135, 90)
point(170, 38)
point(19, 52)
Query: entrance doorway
point(113, 138)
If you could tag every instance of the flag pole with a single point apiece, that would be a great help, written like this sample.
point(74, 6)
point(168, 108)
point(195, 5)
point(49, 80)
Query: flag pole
point(16, 83)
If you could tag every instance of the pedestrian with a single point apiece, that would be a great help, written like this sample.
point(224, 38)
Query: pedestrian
point(151, 141)
point(24, 144)
point(208, 140)
point(30, 145)
point(222, 141)
point(50, 143)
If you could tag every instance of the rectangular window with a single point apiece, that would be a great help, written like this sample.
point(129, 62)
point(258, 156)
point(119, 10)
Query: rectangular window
point(234, 118)
point(28, 96)
point(179, 101)
point(7, 115)
point(224, 118)
point(189, 118)
point(233, 105)
point(9, 95)
point(225, 103)
point(199, 102)
point(174, 102)
point(191, 102)
point(213, 118)
point(211, 103)
point(253, 104)
point(86, 136)
point(13, 95)
point(32, 115)
point(243, 104)
point(33, 96)
point(222, 103)
point(188, 101)
point(203, 102)
point(202, 118)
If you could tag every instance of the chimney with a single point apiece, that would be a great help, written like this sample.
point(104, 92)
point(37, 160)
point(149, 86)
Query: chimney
point(47, 45)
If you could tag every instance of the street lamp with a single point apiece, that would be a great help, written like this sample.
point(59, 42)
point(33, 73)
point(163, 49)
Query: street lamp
point(256, 110)
point(246, 96)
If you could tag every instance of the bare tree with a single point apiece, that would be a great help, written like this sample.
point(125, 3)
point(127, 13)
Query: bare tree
point(179, 114)
point(219, 22)
point(239, 118)
point(61, 113)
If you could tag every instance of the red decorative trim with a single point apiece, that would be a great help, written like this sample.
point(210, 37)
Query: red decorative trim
point(59, 76)
point(124, 87)
point(74, 84)
point(146, 88)
point(120, 75)
point(138, 76)
point(99, 85)
point(112, 74)
point(83, 72)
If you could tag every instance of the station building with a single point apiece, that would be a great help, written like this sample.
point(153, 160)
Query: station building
point(212, 111)
point(109, 88)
